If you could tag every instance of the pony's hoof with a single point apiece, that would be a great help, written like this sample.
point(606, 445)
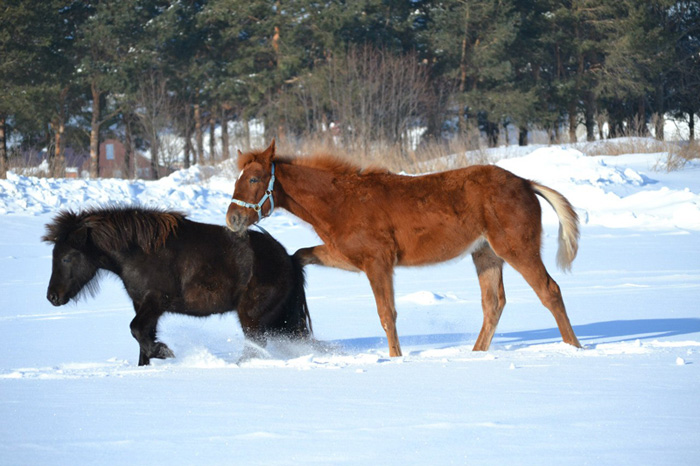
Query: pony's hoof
point(161, 351)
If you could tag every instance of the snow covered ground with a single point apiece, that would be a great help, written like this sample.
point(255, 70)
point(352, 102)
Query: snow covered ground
point(71, 391)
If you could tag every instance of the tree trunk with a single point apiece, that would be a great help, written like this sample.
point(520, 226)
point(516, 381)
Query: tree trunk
point(57, 166)
point(128, 149)
point(491, 133)
point(522, 136)
point(461, 121)
point(212, 137)
point(187, 124)
point(188, 149)
point(95, 132)
point(601, 119)
point(691, 126)
point(3, 148)
point(641, 123)
point(246, 132)
point(555, 138)
point(660, 111)
point(198, 135)
point(572, 122)
point(224, 135)
point(589, 115)
point(463, 55)
point(155, 148)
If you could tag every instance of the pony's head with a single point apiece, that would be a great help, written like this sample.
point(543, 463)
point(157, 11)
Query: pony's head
point(72, 271)
point(252, 196)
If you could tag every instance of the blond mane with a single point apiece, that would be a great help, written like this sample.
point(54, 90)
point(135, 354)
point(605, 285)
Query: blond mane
point(320, 161)
point(334, 163)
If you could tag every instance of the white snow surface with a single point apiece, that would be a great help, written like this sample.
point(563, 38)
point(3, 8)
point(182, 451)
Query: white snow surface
point(71, 391)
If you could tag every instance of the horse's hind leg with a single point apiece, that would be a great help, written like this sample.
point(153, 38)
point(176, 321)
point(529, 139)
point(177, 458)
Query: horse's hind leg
point(254, 346)
point(550, 294)
point(489, 268)
point(530, 266)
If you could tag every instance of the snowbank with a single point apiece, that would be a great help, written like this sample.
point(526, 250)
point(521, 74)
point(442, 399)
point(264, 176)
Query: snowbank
point(612, 191)
point(609, 191)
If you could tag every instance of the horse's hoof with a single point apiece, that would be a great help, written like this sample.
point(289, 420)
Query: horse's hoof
point(161, 351)
point(252, 350)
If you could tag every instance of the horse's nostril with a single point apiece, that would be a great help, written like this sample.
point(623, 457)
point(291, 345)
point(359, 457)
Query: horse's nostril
point(52, 296)
point(234, 222)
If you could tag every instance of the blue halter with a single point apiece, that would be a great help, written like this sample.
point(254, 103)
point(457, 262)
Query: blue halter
point(268, 195)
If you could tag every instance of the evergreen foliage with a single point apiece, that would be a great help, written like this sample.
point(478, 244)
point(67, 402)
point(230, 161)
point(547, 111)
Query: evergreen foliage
point(72, 73)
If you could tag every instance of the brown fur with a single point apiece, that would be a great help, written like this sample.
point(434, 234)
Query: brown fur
point(374, 220)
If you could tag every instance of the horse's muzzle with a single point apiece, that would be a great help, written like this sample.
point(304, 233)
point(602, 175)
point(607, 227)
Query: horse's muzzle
point(54, 298)
point(236, 222)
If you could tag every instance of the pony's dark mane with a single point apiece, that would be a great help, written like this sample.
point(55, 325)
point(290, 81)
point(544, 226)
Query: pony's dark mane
point(321, 161)
point(117, 228)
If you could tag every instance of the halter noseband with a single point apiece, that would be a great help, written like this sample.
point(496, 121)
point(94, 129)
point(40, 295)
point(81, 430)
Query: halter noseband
point(268, 195)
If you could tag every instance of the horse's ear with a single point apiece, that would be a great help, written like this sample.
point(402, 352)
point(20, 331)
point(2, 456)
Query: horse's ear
point(240, 154)
point(270, 151)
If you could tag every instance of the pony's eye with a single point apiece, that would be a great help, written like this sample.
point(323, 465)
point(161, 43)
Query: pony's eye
point(254, 180)
point(66, 260)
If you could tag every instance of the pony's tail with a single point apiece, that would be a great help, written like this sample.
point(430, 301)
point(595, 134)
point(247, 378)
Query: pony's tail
point(568, 224)
point(296, 303)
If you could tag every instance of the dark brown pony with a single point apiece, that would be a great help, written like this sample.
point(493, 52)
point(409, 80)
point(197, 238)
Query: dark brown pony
point(371, 221)
point(171, 264)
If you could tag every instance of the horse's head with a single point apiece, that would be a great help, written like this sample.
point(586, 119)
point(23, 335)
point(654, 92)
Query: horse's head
point(72, 270)
point(252, 196)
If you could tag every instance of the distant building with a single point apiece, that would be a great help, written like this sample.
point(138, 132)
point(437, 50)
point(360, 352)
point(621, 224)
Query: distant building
point(113, 163)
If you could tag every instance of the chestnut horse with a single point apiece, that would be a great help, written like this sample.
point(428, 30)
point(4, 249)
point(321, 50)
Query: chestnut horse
point(371, 220)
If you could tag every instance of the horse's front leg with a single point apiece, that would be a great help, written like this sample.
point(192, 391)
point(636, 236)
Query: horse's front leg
point(381, 279)
point(321, 255)
point(143, 328)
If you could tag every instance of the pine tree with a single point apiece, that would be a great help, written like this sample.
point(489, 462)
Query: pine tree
point(32, 44)
point(683, 80)
point(474, 39)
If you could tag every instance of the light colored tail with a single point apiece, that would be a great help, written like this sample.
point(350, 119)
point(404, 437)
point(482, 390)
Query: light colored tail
point(568, 224)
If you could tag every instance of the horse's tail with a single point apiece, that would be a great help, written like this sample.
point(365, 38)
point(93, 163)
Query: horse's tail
point(568, 224)
point(298, 310)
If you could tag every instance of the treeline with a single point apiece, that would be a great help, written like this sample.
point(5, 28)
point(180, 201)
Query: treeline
point(73, 72)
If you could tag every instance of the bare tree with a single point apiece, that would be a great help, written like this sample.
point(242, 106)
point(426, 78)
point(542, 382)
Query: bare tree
point(154, 113)
point(377, 96)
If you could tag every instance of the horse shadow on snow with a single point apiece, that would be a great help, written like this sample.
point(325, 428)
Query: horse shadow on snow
point(614, 331)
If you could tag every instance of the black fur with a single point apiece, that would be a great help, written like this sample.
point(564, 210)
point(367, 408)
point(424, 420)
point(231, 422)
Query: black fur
point(171, 264)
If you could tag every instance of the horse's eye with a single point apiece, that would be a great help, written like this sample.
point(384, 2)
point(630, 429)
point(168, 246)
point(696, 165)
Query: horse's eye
point(66, 260)
point(254, 180)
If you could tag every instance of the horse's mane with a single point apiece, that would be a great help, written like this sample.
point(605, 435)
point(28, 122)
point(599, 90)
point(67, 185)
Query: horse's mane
point(334, 163)
point(117, 228)
point(321, 161)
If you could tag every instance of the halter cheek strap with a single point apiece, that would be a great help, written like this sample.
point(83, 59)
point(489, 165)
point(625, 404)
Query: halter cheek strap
point(268, 195)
